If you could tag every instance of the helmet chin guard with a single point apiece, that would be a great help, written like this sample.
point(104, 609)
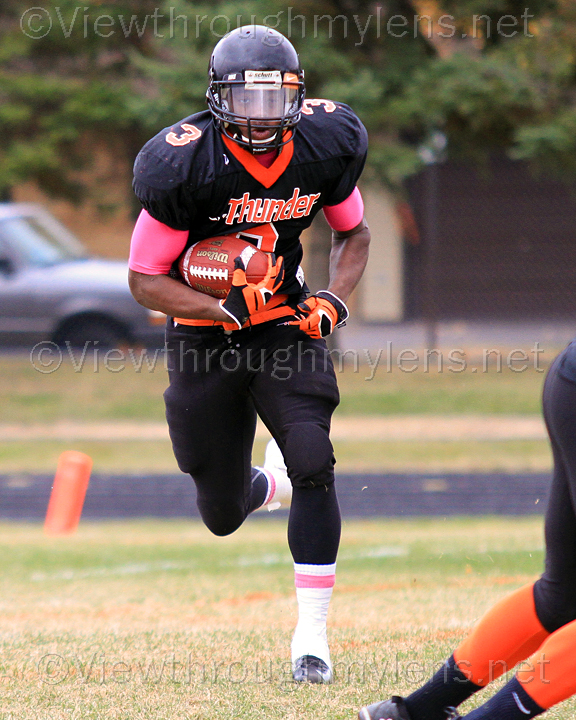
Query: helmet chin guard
point(256, 87)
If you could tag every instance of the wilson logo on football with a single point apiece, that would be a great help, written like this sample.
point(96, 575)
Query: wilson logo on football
point(208, 290)
point(209, 270)
point(269, 210)
point(219, 256)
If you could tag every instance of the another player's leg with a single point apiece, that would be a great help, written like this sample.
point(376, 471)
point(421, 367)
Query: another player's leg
point(549, 675)
point(522, 623)
point(508, 633)
point(296, 402)
point(543, 680)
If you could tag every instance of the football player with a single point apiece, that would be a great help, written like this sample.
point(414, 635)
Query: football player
point(534, 627)
point(259, 165)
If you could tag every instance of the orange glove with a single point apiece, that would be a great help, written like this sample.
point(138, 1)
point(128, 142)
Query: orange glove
point(320, 314)
point(244, 298)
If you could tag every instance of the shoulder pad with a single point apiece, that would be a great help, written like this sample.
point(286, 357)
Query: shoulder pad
point(165, 161)
point(337, 124)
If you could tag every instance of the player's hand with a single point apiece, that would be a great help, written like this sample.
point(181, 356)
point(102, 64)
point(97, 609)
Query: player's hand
point(320, 314)
point(244, 298)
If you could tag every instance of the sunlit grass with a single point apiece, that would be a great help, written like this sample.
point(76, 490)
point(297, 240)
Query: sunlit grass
point(99, 392)
point(147, 457)
point(161, 620)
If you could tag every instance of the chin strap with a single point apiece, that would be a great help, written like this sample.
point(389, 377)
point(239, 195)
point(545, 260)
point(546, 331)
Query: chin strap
point(267, 141)
point(256, 146)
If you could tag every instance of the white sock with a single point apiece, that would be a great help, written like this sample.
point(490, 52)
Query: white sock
point(279, 491)
point(271, 485)
point(314, 585)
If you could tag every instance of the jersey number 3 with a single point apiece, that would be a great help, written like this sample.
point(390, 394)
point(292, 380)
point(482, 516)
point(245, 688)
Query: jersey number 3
point(191, 133)
point(309, 105)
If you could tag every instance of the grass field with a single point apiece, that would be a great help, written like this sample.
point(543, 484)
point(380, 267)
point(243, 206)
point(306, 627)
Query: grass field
point(98, 393)
point(95, 393)
point(158, 621)
point(156, 456)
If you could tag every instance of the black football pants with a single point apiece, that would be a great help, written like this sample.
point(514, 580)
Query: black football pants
point(219, 382)
point(555, 591)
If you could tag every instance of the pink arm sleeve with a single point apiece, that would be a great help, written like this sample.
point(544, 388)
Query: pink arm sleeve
point(347, 214)
point(155, 246)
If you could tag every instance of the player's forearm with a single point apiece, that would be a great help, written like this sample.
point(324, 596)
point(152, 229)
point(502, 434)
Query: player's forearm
point(348, 259)
point(163, 293)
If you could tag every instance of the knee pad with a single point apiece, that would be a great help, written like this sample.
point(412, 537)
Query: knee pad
point(555, 602)
point(309, 456)
point(221, 518)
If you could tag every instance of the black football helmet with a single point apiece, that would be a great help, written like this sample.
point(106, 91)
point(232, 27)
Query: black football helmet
point(256, 87)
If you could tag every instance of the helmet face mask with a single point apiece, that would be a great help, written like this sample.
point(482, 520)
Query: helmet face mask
point(256, 88)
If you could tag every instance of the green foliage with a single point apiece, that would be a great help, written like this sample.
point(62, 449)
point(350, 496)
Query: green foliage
point(478, 104)
point(552, 144)
point(108, 75)
point(467, 8)
point(63, 94)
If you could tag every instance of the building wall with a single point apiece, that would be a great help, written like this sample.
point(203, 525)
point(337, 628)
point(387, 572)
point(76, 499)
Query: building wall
point(104, 221)
point(381, 291)
point(503, 243)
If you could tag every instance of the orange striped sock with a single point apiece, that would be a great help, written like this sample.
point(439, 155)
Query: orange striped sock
point(508, 633)
point(549, 675)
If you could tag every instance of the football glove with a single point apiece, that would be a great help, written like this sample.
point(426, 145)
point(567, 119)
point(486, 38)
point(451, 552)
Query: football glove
point(244, 298)
point(320, 314)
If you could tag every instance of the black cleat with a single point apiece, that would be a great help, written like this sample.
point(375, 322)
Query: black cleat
point(310, 669)
point(393, 709)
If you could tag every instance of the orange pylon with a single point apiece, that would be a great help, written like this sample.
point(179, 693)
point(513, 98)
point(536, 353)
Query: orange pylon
point(68, 493)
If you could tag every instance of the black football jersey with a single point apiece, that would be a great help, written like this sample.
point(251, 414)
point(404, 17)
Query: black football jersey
point(191, 177)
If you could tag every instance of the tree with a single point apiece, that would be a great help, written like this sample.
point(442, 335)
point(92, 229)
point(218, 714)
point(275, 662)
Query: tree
point(408, 72)
point(113, 75)
point(63, 90)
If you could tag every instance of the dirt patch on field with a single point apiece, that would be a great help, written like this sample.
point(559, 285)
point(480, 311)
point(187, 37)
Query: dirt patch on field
point(367, 428)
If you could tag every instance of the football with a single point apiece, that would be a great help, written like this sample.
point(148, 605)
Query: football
point(208, 265)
